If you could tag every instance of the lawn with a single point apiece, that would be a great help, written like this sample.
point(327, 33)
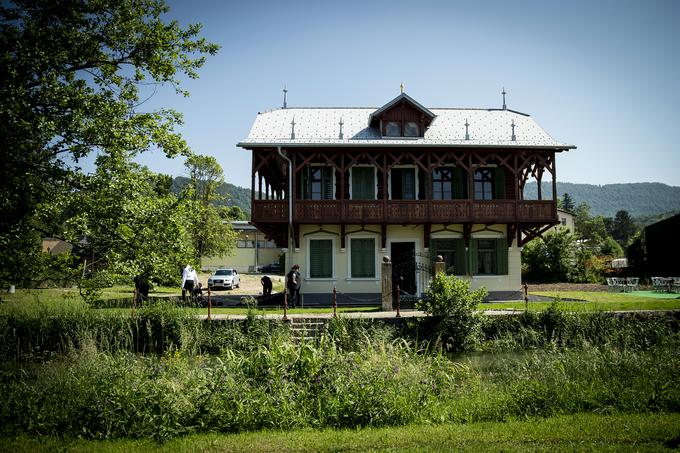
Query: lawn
point(595, 301)
point(580, 432)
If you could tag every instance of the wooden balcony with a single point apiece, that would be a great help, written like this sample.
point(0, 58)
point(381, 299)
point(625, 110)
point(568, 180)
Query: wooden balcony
point(405, 211)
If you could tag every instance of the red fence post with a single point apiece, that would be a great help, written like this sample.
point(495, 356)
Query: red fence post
point(526, 297)
point(134, 301)
point(398, 301)
point(209, 303)
point(285, 305)
point(335, 303)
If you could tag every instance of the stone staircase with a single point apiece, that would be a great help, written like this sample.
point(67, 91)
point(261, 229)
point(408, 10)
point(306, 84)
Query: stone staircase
point(306, 329)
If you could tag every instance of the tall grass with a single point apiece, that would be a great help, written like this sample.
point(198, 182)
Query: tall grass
point(196, 376)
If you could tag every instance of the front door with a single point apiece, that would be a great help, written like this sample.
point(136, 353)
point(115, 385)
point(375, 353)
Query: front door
point(404, 266)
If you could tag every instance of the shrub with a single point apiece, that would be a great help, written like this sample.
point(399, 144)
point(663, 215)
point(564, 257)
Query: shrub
point(450, 300)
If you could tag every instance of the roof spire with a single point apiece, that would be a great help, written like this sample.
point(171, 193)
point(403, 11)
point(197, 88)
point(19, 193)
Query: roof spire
point(292, 129)
point(340, 135)
point(504, 93)
point(512, 125)
point(467, 135)
point(401, 87)
point(285, 92)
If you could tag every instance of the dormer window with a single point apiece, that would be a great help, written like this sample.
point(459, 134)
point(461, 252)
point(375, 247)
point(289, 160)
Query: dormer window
point(401, 117)
point(392, 129)
point(411, 129)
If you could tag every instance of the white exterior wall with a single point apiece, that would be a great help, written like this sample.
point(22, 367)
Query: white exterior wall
point(395, 233)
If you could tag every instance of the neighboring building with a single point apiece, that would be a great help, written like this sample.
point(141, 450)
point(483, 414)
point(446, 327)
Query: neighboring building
point(342, 187)
point(662, 248)
point(56, 246)
point(566, 220)
point(253, 249)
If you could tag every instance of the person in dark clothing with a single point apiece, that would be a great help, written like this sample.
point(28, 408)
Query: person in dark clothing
point(293, 285)
point(266, 286)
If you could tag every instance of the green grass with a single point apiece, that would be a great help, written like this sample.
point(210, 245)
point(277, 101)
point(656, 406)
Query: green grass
point(580, 432)
point(592, 301)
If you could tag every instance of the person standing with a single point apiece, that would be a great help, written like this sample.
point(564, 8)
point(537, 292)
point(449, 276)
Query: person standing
point(266, 286)
point(189, 278)
point(293, 285)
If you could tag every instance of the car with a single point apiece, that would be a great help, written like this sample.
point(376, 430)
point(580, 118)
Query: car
point(273, 268)
point(226, 278)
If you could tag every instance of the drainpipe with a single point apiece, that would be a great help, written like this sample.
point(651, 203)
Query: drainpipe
point(290, 201)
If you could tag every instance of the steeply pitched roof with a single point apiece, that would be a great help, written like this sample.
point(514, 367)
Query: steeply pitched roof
point(321, 127)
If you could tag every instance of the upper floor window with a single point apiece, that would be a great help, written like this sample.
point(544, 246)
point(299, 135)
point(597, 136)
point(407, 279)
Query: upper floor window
point(484, 184)
point(403, 183)
point(317, 183)
point(411, 129)
point(392, 129)
point(442, 183)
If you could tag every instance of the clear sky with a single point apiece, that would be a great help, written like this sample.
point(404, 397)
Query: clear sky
point(603, 75)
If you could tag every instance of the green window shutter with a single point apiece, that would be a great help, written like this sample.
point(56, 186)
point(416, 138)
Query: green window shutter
point(499, 183)
point(363, 183)
point(327, 181)
point(461, 258)
point(363, 258)
point(459, 182)
point(321, 258)
point(306, 184)
point(502, 256)
point(473, 257)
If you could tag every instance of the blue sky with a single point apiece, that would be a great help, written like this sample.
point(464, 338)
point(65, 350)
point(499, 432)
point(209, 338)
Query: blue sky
point(603, 75)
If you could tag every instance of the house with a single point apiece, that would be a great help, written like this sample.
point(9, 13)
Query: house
point(662, 248)
point(566, 220)
point(253, 250)
point(341, 188)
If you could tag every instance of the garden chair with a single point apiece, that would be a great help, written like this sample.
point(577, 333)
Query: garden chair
point(632, 283)
point(659, 284)
point(613, 284)
point(620, 284)
point(676, 284)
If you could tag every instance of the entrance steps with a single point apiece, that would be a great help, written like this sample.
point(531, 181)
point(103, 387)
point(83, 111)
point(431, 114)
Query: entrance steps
point(306, 329)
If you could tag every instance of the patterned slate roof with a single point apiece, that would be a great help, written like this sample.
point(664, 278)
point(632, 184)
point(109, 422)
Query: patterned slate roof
point(321, 127)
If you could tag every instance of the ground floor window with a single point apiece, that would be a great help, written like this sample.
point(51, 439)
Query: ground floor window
point(362, 258)
point(453, 252)
point(320, 258)
point(489, 256)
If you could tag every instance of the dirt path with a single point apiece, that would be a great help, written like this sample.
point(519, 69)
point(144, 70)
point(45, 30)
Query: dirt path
point(250, 284)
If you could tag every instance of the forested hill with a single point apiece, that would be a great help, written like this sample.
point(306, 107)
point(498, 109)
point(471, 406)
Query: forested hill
point(639, 199)
point(236, 196)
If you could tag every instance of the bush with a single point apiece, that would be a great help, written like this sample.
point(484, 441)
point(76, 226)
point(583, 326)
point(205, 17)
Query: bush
point(450, 300)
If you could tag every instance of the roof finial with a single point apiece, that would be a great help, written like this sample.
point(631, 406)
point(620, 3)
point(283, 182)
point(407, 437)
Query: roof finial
point(512, 125)
point(504, 93)
point(285, 92)
point(340, 123)
point(401, 87)
point(467, 135)
point(292, 129)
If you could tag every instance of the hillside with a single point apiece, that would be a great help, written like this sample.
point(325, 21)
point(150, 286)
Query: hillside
point(236, 196)
point(639, 199)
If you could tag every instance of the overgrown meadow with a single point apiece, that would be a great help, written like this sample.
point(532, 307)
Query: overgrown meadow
point(162, 373)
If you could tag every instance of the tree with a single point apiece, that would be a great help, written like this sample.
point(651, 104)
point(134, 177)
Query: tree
point(590, 230)
point(211, 234)
point(567, 202)
point(550, 258)
point(130, 227)
point(74, 74)
point(623, 227)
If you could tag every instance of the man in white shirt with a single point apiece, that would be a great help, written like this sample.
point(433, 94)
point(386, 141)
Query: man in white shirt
point(189, 279)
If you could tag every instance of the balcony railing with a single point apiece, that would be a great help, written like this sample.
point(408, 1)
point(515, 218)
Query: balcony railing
point(406, 211)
